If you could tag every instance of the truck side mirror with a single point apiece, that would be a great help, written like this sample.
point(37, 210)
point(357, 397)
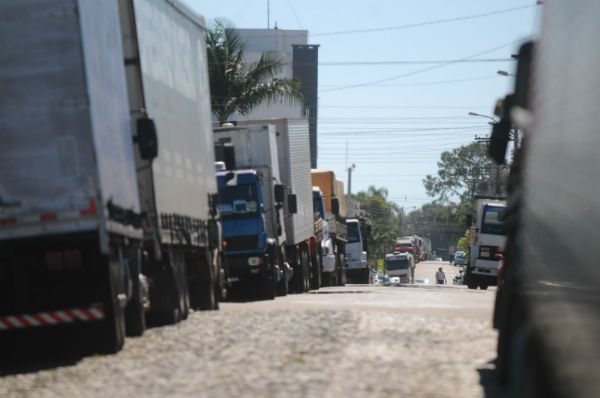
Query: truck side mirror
point(279, 192)
point(335, 206)
point(146, 138)
point(499, 141)
point(292, 204)
point(469, 220)
point(213, 200)
point(230, 179)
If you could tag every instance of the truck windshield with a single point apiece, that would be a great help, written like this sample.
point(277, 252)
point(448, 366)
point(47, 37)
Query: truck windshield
point(318, 205)
point(396, 263)
point(353, 232)
point(239, 200)
point(493, 220)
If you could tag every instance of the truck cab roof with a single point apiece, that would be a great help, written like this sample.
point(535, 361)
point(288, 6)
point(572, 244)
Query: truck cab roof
point(242, 176)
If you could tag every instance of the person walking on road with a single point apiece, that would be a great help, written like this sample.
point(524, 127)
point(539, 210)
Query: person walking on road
point(440, 277)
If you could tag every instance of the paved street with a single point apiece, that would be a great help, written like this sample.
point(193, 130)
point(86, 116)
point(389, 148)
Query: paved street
point(355, 341)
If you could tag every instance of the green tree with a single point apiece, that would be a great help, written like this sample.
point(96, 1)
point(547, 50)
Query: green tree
point(384, 217)
point(463, 243)
point(460, 173)
point(238, 86)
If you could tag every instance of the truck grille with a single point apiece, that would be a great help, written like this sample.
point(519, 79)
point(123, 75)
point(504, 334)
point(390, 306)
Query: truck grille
point(243, 242)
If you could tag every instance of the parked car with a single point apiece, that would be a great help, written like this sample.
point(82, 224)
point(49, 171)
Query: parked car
point(460, 259)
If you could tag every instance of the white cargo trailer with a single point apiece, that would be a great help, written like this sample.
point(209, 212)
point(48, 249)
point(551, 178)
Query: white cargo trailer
point(87, 220)
point(70, 227)
point(293, 151)
point(167, 76)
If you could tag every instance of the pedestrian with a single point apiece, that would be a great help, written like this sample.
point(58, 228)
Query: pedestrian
point(440, 277)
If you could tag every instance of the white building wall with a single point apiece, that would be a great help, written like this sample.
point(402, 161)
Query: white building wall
point(280, 42)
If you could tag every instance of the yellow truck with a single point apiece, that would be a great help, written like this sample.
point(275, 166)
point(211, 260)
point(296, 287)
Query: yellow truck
point(330, 208)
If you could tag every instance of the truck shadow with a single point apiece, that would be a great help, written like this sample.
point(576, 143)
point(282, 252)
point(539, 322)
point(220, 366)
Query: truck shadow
point(487, 379)
point(20, 356)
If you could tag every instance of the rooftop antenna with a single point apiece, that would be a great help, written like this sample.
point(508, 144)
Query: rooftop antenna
point(268, 14)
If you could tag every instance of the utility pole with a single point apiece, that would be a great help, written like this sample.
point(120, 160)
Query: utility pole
point(268, 14)
point(350, 178)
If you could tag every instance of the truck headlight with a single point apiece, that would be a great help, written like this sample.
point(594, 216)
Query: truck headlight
point(254, 261)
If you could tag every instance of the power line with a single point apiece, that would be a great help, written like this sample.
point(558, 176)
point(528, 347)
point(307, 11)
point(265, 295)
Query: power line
point(414, 62)
point(432, 83)
point(425, 23)
point(295, 14)
point(387, 79)
point(403, 107)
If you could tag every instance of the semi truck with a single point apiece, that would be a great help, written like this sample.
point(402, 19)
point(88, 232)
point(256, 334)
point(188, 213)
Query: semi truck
point(333, 246)
point(282, 147)
point(89, 227)
point(252, 215)
point(547, 306)
point(489, 240)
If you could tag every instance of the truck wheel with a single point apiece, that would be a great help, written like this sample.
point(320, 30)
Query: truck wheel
point(111, 335)
point(268, 290)
point(326, 279)
point(306, 269)
point(282, 284)
point(299, 278)
point(185, 293)
point(207, 294)
point(366, 276)
point(341, 271)
point(483, 286)
point(315, 280)
point(135, 314)
point(135, 318)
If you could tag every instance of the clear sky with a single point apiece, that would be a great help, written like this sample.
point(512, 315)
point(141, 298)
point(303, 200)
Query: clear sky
point(404, 113)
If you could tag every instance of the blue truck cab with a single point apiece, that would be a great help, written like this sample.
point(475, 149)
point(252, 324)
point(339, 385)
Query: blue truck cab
point(248, 246)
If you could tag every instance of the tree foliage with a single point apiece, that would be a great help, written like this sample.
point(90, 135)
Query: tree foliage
point(460, 173)
point(385, 217)
point(237, 86)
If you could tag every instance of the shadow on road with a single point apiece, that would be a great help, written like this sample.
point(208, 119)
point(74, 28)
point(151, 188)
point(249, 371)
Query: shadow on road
point(487, 379)
point(339, 291)
point(31, 355)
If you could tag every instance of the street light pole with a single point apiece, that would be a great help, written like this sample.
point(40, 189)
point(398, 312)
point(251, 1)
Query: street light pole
point(350, 169)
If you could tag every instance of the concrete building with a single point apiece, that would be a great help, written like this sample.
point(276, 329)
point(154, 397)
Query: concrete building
point(300, 60)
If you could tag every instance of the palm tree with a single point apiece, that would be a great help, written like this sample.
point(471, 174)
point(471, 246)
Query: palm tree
point(237, 86)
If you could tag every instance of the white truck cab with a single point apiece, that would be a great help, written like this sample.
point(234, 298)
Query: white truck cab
point(400, 265)
point(490, 238)
point(356, 258)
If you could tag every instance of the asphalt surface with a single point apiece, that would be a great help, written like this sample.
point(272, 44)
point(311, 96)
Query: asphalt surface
point(419, 340)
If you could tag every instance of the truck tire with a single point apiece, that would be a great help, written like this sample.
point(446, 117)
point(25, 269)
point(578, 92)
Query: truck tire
point(135, 318)
point(268, 290)
point(299, 279)
point(366, 279)
point(169, 312)
point(483, 286)
point(326, 279)
point(111, 333)
point(315, 280)
point(340, 270)
point(304, 259)
point(282, 284)
point(135, 314)
point(207, 294)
